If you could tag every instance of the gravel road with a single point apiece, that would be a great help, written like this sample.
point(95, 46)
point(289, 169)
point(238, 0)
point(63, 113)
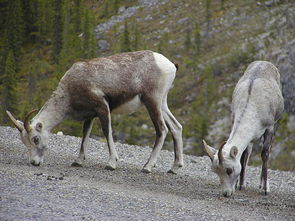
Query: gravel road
point(57, 191)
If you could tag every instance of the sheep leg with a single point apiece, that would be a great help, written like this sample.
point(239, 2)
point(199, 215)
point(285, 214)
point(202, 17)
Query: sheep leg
point(87, 127)
point(268, 135)
point(104, 115)
point(155, 112)
point(244, 162)
point(176, 130)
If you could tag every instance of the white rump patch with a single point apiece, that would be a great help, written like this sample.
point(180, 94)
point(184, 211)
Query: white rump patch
point(167, 69)
point(166, 66)
point(129, 107)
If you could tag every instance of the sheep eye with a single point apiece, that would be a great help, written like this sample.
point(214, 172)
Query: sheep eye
point(36, 140)
point(229, 171)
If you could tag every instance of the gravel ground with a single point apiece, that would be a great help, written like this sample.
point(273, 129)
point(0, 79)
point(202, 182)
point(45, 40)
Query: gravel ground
point(57, 191)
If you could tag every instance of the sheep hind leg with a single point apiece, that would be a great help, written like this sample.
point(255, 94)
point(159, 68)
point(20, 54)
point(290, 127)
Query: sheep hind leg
point(154, 108)
point(176, 130)
point(264, 185)
point(87, 127)
point(104, 115)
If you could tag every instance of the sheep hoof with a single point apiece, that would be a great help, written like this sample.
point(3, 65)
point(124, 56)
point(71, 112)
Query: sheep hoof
point(175, 168)
point(109, 167)
point(112, 164)
point(172, 171)
point(76, 164)
point(146, 170)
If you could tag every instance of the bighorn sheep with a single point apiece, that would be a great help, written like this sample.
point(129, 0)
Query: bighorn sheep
point(257, 105)
point(98, 87)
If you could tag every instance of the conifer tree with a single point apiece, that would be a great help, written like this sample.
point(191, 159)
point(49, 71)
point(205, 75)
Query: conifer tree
point(204, 105)
point(31, 15)
point(77, 15)
point(116, 5)
point(58, 29)
point(8, 89)
point(44, 24)
point(3, 52)
point(15, 28)
point(71, 50)
point(105, 12)
point(163, 44)
point(187, 42)
point(208, 17)
point(136, 38)
point(89, 40)
point(222, 4)
point(3, 13)
point(197, 40)
point(86, 35)
point(125, 41)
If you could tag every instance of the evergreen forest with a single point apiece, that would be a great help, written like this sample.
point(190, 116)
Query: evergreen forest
point(209, 39)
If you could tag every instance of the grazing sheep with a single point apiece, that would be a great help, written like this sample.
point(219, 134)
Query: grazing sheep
point(98, 87)
point(257, 105)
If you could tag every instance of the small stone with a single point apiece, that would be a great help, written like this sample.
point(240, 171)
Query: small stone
point(59, 133)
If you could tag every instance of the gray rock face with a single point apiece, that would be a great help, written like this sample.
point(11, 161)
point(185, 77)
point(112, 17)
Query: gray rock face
point(127, 13)
point(123, 14)
point(103, 44)
point(282, 50)
point(275, 41)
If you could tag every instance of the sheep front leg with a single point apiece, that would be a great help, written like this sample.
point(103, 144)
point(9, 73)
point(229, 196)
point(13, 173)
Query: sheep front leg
point(244, 162)
point(268, 135)
point(87, 127)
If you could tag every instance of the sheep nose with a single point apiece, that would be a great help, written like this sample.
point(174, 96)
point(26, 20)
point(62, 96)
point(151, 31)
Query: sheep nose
point(33, 162)
point(226, 194)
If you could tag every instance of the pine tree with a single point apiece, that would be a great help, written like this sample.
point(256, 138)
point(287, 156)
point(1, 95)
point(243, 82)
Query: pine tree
point(15, 29)
point(116, 6)
point(89, 40)
point(3, 13)
point(209, 88)
point(31, 15)
point(125, 41)
point(58, 29)
point(208, 17)
point(71, 51)
point(187, 42)
point(222, 4)
point(77, 15)
point(44, 24)
point(204, 106)
point(3, 52)
point(197, 40)
point(163, 44)
point(137, 39)
point(105, 12)
point(9, 83)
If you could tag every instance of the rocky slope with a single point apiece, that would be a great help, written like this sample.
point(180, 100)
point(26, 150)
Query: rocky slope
point(232, 35)
point(268, 27)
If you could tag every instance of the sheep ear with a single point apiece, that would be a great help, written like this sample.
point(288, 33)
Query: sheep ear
point(233, 152)
point(210, 150)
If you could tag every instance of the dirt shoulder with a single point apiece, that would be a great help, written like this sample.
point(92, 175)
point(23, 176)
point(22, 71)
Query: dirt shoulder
point(56, 191)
